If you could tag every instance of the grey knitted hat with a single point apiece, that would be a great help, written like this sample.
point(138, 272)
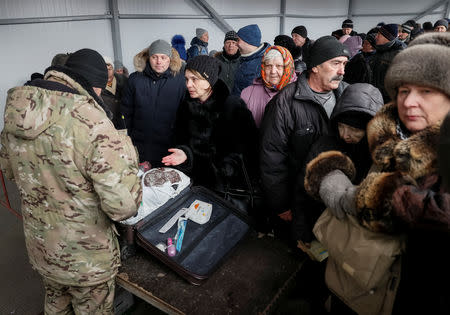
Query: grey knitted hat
point(199, 32)
point(425, 62)
point(160, 46)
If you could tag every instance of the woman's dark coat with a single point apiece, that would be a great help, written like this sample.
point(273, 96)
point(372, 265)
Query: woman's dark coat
point(213, 134)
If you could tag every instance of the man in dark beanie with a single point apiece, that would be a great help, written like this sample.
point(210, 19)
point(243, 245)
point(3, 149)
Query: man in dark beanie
point(199, 44)
point(441, 25)
point(151, 99)
point(230, 57)
point(77, 174)
point(346, 29)
point(252, 50)
point(404, 34)
point(302, 41)
point(293, 120)
point(387, 47)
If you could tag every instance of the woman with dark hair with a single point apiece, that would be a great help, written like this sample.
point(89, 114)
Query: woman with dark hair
point(213, 129)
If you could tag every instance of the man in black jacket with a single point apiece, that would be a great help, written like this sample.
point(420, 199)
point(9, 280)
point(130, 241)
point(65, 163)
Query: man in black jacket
point(151, 99)
point(387, 46)
point(293, 120)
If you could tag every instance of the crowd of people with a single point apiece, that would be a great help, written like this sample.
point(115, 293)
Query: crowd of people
point(356, 123)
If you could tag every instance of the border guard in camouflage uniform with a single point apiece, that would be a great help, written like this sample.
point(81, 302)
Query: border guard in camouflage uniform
point(76, 175)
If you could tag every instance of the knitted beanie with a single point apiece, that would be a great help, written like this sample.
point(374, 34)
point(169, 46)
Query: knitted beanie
point(425, 62)
point(160, 46)
point(231, 35)
point(371, 39)
point(178, 42)
point(324, 49)
point(251, 34)
point(286, 42)
point(347, 24)
point(300, 30)
point(406, 28)
point(208, 67)
point(441, 22)
point(427, 26)
point(390, 31)
point(199, 32)
point(90, 65)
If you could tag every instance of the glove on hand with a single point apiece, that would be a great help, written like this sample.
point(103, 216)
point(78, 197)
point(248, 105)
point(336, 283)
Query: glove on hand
point(323, 164)
point(338, 194)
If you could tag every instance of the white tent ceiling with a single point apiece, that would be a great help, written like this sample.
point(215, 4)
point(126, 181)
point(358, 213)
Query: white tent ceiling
point(33, 31)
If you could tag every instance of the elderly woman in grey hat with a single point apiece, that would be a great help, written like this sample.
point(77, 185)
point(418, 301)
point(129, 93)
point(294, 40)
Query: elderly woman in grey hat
point(403, 138)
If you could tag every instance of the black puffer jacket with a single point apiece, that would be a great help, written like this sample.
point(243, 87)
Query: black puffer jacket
point(381, 62)
point(213, 133)
point(292, 122)
point(229, 67)
point(113, 101)
point(149, 105)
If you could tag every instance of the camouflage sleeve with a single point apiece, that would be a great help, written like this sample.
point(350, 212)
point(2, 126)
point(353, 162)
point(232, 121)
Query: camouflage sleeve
point(112, 165)
point(4, 158)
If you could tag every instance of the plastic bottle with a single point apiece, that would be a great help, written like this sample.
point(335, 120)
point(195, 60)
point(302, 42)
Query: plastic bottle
point(171, 250)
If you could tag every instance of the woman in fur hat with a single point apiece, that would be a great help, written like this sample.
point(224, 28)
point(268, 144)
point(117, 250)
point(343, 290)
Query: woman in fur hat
point(403, 139)
point(212, 128)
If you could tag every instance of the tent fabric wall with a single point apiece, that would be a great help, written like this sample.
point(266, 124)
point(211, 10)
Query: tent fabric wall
point(28, 48)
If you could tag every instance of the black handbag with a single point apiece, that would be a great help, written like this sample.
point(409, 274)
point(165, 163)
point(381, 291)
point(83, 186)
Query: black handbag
point(246, 196)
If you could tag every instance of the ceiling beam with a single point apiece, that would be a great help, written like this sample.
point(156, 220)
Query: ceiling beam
point(215, 17)
point(430, 9)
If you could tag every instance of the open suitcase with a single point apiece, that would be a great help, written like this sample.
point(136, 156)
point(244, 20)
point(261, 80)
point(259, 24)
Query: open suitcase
point(204, 246)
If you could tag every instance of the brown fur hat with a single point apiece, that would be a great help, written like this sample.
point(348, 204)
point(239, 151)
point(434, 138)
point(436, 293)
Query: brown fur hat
point(425, 63)
point(141, 59)
point(323, 164)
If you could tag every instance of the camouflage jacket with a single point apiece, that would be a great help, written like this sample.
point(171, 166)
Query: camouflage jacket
point(75, 173)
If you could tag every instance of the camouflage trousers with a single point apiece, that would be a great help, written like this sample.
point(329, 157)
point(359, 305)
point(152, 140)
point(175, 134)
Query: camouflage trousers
point(63, 299)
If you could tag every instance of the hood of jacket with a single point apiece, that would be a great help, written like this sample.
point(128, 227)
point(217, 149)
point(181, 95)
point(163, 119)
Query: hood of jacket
point(140, 61)
point(31, 110)
point(358, 97)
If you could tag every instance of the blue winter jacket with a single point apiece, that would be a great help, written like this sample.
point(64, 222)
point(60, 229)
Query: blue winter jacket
point(198, 47)
point(249, 68)
point(149, 105)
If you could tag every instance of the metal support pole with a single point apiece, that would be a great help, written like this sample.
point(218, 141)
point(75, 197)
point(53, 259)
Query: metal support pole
point(283, 16)
point(115, 29)
point(350, 9)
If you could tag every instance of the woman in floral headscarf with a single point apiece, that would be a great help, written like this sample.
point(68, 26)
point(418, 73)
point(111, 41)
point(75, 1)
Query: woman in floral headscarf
point(277, 71)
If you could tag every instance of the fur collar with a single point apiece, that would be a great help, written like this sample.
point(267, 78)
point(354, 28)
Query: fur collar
point(141, 58)
point(415, 156)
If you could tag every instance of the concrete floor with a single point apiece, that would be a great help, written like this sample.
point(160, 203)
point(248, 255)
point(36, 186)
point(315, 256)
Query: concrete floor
point(21, 289)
